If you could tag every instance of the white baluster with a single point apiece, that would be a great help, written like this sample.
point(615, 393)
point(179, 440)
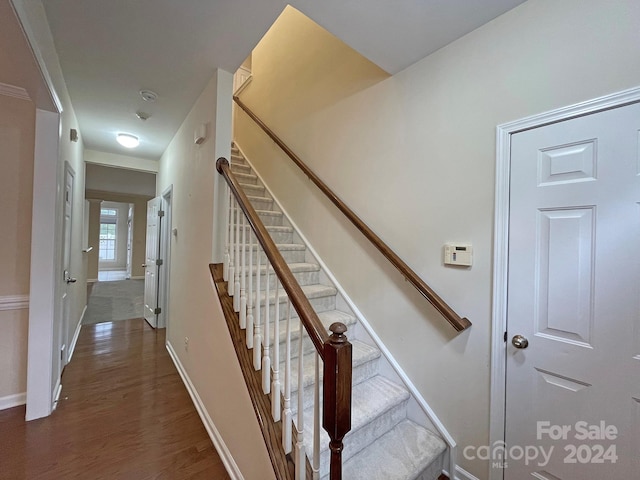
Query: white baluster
point(232, 241)
point(275, 386)
point(257, 333)
point(227, 240)
point(250, 299)
point(266, 357)
point(300, 457)
point(236, 287)
point(243, 276)
point(286, 421)
point(316, 421)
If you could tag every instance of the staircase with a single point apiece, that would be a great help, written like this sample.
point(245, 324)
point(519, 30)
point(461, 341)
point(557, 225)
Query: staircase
point(388, 439)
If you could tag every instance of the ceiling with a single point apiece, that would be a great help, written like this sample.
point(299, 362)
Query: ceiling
point(110, 50)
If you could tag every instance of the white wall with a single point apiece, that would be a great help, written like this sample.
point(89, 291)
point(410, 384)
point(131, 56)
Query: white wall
point(414, 156)
point(194, 310)
point(121, 161)
point(120, 180)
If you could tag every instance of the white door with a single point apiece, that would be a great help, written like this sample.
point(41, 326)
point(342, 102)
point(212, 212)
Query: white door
point(573, 394)
point(68, 279)
point(152, 261)
point(129, 239)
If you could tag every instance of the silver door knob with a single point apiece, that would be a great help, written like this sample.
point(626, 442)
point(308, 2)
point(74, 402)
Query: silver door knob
point(519, 341)
point(144, 265)
point(71, 280)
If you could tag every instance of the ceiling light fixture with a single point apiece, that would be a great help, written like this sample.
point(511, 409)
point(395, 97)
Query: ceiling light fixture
point(148, 95)
point(127, 140)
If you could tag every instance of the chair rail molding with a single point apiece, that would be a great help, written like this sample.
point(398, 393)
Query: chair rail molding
point(14, 302)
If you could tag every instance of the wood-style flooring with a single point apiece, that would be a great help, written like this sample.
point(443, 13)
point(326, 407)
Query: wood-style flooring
point(124, 414)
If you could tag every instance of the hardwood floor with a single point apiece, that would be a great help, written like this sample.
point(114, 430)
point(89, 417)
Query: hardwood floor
point(124, 414)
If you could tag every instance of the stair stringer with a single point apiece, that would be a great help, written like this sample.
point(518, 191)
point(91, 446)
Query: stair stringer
point(418, 409)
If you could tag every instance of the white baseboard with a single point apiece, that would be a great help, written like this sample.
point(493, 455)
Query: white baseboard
point(461, 474)
point(72, 348)
point(56, 395)
point(92, 280)
point(225, 455)
point(11, 401)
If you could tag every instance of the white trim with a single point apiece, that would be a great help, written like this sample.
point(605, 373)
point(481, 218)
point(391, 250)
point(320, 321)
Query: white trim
point(244, 85)
point(13, 91)
point(140, 277)
point(56, 395)
point(72, 348)
point(225, 455)
point(14, 302)
point(46, 260)
point(15, 400)
point(21, 10)
point(431, 415)
point(461, 474)
point(501, 241)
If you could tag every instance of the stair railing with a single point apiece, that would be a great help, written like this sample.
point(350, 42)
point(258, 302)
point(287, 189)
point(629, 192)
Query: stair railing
point(457, 322)
point(256, 315)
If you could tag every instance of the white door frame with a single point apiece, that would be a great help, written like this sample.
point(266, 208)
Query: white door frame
point(166, 227)
point(43, 350)
point(501, 243)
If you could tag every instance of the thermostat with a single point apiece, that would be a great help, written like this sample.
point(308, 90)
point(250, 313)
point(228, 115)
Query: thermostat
point(456, 254)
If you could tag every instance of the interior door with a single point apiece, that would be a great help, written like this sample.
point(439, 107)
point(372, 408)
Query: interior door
point(68, 280)
point(573, 349)
point(152, 261)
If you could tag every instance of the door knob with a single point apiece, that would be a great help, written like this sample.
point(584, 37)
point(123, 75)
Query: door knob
point(519, 341)
point(72, 280)
point(144, 265)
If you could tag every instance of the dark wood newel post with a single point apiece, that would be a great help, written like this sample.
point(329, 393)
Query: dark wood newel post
point(337, 394)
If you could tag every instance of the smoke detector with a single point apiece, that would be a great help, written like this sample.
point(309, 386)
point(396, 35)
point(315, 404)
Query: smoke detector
point(142, 115)
point(148, 95)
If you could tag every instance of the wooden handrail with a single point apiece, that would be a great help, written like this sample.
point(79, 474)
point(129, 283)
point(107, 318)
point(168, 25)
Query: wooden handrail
point(457, 322)
point(335, 350)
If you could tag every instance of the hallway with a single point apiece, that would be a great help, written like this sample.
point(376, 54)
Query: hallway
point(124, 413)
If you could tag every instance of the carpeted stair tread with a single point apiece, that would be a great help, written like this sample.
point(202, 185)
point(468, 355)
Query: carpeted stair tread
point(404, 453)
point(361, 354)
point(310, 291)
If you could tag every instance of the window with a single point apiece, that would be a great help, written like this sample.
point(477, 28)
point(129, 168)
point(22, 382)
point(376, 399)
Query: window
point(108, 234)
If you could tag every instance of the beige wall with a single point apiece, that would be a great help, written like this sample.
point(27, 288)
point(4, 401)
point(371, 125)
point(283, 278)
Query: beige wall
point(194, 311)
point(17, 134)
point(138, 249)
point(414, 156)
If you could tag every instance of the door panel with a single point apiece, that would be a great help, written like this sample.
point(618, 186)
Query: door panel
point(151, 267)
point(574, 294)
point(68, 279)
